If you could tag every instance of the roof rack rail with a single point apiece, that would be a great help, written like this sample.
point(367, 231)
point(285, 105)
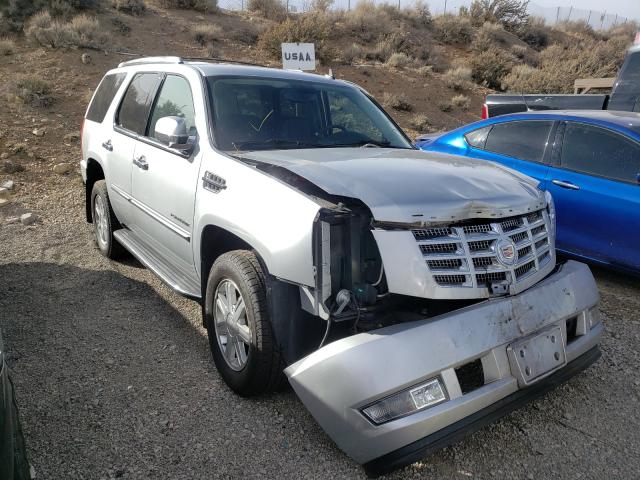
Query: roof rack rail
point(148, 60)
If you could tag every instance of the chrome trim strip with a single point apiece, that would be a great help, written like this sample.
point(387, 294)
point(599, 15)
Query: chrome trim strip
point(156, 216)
point(153, 214)
point(121, 192)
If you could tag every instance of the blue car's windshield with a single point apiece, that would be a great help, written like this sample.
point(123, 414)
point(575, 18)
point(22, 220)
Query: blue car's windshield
point(252, 113)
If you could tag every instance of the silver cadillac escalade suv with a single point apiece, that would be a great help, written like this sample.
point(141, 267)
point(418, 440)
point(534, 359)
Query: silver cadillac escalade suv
point(408, 297)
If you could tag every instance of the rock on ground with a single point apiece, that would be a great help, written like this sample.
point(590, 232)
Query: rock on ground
point(28, 219)
point(62, 168)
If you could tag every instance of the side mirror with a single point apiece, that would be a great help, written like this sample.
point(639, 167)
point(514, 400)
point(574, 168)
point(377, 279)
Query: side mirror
point(172, 132)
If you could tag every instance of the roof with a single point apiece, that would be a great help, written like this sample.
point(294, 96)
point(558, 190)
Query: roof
point(222, 68)
point(623, 119)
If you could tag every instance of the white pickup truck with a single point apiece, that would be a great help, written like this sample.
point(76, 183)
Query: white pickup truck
point(408, 297)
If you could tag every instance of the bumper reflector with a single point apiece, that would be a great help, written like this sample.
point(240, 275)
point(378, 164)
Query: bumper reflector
point(406, 402)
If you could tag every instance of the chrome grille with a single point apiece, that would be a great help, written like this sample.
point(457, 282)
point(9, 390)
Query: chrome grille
point(465, 255)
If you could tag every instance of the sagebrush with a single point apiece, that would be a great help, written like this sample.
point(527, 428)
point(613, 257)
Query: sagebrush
point(7, 46)
point(397, 101)
point(198, 5)
point(458, 78)
point(132, 7)
point(310, 27)
point(34, 91)
point(81, 31)
point(206, 33)
point(270, 9)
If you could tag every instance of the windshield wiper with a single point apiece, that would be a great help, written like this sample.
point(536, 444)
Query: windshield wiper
point(366, 144)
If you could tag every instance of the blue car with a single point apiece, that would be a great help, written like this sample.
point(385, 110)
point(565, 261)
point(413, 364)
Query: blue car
point(588, 160)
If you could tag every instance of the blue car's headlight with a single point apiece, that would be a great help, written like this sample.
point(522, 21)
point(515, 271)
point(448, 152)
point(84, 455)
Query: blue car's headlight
point(551, 210)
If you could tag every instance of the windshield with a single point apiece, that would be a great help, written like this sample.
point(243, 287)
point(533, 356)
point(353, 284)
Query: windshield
point(266, 114)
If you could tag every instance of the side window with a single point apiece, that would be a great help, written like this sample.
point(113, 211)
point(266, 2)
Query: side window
point(175, 99)
point(525, 140)
point(347, 114)
point(104, 96)
point(136, 104)
point(598, 151)
point(478, 138)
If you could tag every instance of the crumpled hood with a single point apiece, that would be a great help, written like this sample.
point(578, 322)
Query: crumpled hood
point(412, 186)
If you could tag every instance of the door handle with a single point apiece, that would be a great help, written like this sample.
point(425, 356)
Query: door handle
point(568, 185)
point(141, 162)
point(107, 146)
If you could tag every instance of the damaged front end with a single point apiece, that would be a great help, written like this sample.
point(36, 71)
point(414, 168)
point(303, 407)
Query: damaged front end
point(440, 314)
point(391, 395)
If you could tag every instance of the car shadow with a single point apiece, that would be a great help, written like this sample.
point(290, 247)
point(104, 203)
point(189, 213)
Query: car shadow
point(98, 357)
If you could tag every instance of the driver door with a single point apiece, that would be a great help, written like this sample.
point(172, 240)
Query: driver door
point(164, 180)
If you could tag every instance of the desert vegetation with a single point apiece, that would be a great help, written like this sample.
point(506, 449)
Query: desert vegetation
point(497, 44)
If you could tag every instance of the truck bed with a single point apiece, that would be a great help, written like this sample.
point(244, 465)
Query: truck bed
point(503, 104)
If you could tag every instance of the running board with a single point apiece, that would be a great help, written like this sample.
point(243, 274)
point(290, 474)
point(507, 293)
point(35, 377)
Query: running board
point(154, 262)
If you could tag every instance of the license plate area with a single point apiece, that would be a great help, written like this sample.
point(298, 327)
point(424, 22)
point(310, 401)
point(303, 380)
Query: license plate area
point(537, 356)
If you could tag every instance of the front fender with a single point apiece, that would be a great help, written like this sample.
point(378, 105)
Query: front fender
point(276, 220)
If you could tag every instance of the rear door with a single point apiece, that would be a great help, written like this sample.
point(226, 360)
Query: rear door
point(594, 181)
point(98, 136)
point(130, 122)
point(520, 145)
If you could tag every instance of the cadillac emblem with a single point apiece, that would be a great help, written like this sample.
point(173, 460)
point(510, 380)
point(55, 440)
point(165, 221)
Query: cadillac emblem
point(506, 251)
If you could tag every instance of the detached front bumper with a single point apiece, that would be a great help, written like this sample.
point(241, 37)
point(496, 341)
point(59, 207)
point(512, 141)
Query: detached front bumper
point(336, 382)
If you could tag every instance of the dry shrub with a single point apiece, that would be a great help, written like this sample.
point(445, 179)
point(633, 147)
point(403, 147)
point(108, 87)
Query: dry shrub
point(445, 106)
point(310, 27)
point(520, 51)
point(458, 78)
point(560, 66)
point(33, 90)
point(206, 33)
point(367, 21)
point(491, 66)
point(535, 33)
point(15, 13)
point(7, 46)
point(132, 7)
point(81, 31)
point(461, 101)
point(122, 27)
point(399, 60)
point(397, 101)
point(351, 53)
point(198, 5)
point(271, 9)
point(511, 14)
point(246, 33)
point(322, 6)
point(426, 70)
point(453, 29)
point(421, 123)
point(578, 27)
point(488, 35)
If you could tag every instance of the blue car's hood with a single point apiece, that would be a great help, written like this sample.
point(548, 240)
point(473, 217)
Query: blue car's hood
point(412, 186)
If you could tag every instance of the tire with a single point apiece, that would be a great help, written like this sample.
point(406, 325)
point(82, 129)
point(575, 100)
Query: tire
point(104, 222)
point(242, 342)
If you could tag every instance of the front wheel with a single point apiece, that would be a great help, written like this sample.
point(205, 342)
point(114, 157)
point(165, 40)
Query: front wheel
point(241, 337)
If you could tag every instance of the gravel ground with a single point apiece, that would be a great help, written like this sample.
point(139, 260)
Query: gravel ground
point(114, 378)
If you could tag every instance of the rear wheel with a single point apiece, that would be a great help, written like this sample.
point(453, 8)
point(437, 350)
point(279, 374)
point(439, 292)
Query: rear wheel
point(241, 337)
point(104, 221)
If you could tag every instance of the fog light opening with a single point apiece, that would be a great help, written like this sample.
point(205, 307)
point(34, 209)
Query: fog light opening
point(406, 402)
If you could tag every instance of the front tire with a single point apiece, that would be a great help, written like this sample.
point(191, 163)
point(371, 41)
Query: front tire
point(104, 222)
point(241, 337)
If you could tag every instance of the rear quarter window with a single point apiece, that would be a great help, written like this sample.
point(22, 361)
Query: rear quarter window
point(525, 140)
point(104, 96)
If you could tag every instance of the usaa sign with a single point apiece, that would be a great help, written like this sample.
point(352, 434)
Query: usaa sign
point(298, 56)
